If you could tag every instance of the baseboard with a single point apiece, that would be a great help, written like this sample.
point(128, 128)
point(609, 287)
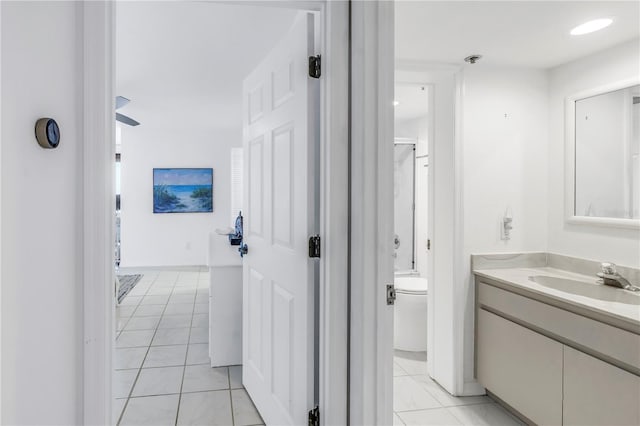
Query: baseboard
point(185, 268)
point(510, 409)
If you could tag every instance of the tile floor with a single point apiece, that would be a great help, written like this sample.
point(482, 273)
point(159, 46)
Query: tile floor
point(163, 374)
point(418, 400)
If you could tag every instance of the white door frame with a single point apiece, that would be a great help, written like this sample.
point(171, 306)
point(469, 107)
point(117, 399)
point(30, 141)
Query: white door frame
point(371, 200)
point(97, 31)
point(96, 27)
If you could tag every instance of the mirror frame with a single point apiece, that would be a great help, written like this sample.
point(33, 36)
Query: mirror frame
point(570, 154)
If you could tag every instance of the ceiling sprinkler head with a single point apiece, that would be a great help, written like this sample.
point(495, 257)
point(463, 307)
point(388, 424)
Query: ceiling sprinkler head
point(472, 59)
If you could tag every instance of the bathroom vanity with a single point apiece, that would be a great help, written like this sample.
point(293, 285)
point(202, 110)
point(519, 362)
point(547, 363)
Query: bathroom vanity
point(554, 344)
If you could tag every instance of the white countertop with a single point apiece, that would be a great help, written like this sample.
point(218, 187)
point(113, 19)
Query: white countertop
point(582, 291)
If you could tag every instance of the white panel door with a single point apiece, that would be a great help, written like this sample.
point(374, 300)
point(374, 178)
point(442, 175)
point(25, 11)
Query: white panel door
point(278, 279)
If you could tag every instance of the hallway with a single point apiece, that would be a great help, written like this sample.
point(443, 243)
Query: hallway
point(162, 368)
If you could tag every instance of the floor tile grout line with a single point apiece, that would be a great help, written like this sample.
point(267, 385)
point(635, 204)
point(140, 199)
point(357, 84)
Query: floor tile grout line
point(184, 370)
point(158, 366)
point(184, 367)
point(154, 395)
point(207, 390)
point(438, 408)
point(398, 416)
point(233, 417)
point(187, 355)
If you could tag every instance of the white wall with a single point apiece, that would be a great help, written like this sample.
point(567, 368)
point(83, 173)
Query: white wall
point(505, 164)
point(150, 239)
point(592, 242)
point(41, 289)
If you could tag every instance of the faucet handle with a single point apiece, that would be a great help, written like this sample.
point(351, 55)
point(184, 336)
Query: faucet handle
point(608, 268)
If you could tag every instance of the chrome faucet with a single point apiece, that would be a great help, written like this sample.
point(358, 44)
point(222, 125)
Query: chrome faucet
point(610, 276)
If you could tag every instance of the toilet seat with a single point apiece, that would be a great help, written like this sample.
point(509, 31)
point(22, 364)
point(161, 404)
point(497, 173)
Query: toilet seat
point(411, 286)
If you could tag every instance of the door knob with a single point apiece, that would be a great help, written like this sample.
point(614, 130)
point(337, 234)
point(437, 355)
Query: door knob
point(243, 249)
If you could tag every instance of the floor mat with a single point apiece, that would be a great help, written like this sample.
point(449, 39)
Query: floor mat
point(127, 282)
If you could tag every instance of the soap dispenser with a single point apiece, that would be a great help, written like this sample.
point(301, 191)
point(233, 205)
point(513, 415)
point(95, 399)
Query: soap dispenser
point(507, 224)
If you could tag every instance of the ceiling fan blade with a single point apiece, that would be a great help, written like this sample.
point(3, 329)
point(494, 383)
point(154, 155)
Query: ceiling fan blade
point(126, 120)
point(121, 101)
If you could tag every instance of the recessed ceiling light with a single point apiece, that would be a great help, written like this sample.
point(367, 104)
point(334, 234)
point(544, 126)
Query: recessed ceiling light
point(396, 103)
point(591, 26)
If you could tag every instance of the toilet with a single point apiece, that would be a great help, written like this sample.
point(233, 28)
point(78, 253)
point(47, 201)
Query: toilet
point(410, 314)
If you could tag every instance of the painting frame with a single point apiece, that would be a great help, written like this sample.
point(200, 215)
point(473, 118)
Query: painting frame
point(182, 190)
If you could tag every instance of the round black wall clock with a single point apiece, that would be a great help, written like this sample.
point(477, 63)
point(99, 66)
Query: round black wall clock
point(47, 133)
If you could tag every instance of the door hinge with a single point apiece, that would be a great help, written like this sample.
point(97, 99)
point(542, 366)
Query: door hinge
point(315, 68)
point(429, 244)
point(391, 294)
point(314, 416)
point(314, 246)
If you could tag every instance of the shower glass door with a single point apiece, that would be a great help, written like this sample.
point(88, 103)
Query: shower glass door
point(404, 205)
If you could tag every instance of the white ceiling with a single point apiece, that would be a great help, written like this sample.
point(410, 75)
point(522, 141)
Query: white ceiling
point(182, 63)
point(509, 33)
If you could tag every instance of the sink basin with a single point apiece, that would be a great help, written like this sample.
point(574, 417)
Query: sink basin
point(587, 289)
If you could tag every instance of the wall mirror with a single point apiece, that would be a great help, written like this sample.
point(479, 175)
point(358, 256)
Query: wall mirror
point(603, 155)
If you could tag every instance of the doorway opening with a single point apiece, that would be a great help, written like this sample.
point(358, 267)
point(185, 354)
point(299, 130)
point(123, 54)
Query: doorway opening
point(413, 131)
point(423, 389)
point(203, 78)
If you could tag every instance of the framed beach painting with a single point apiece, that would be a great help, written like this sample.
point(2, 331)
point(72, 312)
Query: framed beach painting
point(182, 190)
